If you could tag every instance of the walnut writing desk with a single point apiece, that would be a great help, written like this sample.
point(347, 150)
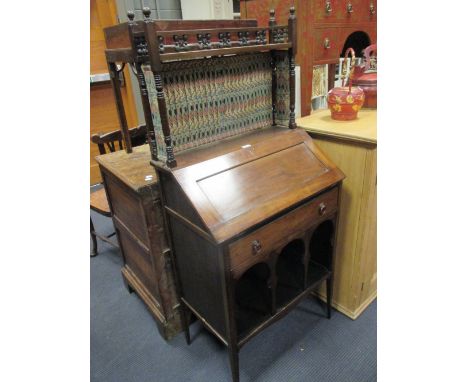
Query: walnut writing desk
point(250, 202)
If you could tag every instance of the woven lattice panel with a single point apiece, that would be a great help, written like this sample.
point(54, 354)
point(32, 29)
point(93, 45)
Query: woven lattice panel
point(212, 99)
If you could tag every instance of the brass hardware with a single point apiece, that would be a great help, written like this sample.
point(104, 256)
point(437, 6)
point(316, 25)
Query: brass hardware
point(256, 247)
point(372, 8)
point(326, 43)
point(322, 209)
point(328, 7)
point(349, 7)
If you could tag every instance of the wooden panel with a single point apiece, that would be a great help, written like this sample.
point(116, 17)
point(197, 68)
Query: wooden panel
point(351, 159)
point(353, 147)
point(366, 247)
point(272, 176)
point(276, 165)
point(199, 266)
point(138, 260)
point(279, 232)
point(133, 169)
point(127, 208)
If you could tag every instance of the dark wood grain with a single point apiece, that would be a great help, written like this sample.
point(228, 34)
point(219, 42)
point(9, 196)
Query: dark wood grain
point(279, 232)
point(117, 36)
point(264, 158)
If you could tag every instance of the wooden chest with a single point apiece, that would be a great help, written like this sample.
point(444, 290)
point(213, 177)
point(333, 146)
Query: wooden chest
point(133, 194)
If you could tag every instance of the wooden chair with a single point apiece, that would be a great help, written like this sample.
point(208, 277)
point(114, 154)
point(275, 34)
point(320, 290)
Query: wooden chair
point(98, 200)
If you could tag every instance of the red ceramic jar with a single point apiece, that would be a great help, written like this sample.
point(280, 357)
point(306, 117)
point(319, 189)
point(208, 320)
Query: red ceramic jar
point(345, 102)
point(365, 76)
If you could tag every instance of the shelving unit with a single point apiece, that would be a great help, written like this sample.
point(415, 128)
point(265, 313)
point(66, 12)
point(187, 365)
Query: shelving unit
point(262, 295)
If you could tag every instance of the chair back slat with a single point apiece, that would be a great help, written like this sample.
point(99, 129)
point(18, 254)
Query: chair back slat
point(108, 140)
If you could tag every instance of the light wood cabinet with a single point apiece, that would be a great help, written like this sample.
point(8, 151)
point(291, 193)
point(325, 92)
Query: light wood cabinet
point(352, 146)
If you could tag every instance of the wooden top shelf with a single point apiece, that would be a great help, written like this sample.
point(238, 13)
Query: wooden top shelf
point(362, 129)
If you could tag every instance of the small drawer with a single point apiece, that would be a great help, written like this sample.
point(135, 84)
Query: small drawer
point(328, 11)
point(272, 237)
point(365, 11)
point(327, 45)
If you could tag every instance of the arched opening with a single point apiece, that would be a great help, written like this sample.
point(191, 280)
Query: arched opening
point(290, 272)
point(321, 250)
point(252, 298)
point(358, 41)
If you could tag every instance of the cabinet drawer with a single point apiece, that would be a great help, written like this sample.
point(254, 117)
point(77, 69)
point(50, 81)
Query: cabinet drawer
point(364, 11)
point(327, 45)
point(328, 11)
point(273, 236)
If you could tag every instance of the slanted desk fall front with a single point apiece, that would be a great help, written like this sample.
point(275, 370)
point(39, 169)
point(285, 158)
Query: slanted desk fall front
point(250, 202)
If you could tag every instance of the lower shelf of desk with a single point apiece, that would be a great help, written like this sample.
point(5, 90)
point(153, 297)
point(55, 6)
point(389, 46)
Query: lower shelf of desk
point(256, 313)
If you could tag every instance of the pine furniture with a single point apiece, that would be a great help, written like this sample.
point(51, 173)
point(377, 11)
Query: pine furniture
point(250, 203)
point(352, 145)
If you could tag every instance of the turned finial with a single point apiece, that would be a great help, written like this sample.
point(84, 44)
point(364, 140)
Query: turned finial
point(272, 21)
point(146, 12)
point(130, 15)
point(292, 11)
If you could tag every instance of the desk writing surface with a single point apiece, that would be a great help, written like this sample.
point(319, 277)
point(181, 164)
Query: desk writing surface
point(362, 129)
point(133, 169)
point(243, 187)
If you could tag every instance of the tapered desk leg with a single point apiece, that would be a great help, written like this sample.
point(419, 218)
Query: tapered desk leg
point(329, 295)
point(234, 360)
point(186, 322)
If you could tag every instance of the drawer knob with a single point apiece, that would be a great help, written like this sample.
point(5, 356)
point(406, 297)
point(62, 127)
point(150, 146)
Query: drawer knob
point(328, 7)
point(326, 43)
point(349, 7)
point(322, 208)
point(371, 8)
point(256, 247)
